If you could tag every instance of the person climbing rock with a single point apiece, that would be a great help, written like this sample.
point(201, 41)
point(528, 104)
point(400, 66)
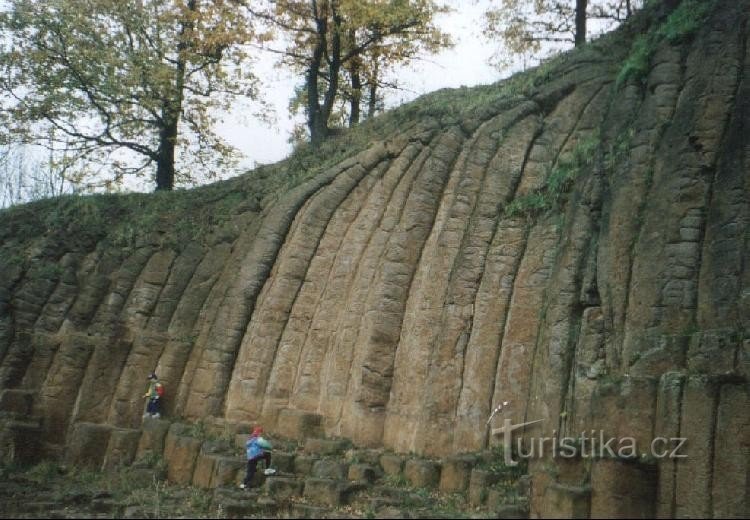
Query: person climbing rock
point(257, 448)
point(154, 394)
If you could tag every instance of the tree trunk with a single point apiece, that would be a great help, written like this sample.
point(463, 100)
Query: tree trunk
point(580, 37)
point(373, 91)
point(165, 161)
point(356, 80)
point(318, 130)
point(170, 114)
point(334, 68)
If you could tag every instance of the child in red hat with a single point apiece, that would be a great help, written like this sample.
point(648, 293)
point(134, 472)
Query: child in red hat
point(257, 448)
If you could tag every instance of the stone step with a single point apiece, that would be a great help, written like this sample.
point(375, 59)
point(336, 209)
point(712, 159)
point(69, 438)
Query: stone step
point(330, 468)
point(242, 503)
point(284, 488)
point(323, 447)
point(308, 511)
point(363, 473)
point(19, 440)
point(330, 492)
point(17, 401)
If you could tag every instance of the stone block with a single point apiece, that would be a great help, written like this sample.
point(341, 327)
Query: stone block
point(624, 408)
point(283, 461)
point(15, 401)
point(295, 424)
point(456, 474)
point(623, 489)
point(731, 479)
point(362, 473)
point(180, 454)
point(228, 471)
point(307, 511)
point(204, 470)
point(422, 473)
point(392, 464)
point(364, 456)
point(479, 483)
point(303, 465)
point(328, 468)
point(151, 443)
point(20, 442)
point(693, 483)
point(122, 448)
point(87, 444)
point(512, 511)
point(713, 352)
point(325, 447)
point(324, 492)
point(667, 426)
point(562, 501)
point(282, 488)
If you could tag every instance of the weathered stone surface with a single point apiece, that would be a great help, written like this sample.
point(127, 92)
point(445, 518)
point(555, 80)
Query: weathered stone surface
point(16, 401)
point(204, 470)
point(479, 484)
point(362, 473)
point(456, 474)
point(88, 444)
point(668, 410)
point(283, 461)
point(153, 433)
point(623, 489)
point(422, 473)
point(122, 448)
point(332, 469)
point(284, 488)
point(180, 454)
point(20, 442)
point(693, 482)
point(392, 464)
point(565, 502)
point(396, 296)
point(306, 511)
point(324, 492)
point(730, 493)
point(303, 465)
point(324, 447)
point(228, 471)
point(299, 425)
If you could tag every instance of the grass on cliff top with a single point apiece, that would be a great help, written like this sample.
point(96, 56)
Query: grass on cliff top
point(679, 26)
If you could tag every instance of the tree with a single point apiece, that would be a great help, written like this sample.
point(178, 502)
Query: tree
point(334, 43)
point(131, 84)
point(541, 27)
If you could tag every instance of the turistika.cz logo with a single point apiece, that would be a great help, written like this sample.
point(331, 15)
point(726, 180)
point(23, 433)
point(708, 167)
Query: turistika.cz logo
point(589, 444)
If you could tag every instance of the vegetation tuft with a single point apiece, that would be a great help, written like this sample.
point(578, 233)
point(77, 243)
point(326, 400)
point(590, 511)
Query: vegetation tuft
point(680, 26)
point(551, 195)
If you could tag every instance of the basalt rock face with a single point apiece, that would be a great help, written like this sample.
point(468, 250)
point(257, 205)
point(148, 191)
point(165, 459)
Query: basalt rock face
point(394, 298)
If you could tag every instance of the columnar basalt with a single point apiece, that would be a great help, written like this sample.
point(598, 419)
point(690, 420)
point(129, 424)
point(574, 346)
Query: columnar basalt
point(396, 296)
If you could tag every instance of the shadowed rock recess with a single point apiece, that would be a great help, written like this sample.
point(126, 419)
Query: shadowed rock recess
point(570, 243)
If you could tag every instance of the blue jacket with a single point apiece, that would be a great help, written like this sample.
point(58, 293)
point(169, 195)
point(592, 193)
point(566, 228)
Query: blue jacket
point(255, 446)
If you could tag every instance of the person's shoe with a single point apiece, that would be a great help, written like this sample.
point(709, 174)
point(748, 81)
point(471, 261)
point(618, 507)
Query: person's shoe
point(243, 486)
point(269, 471)
point(156, 415)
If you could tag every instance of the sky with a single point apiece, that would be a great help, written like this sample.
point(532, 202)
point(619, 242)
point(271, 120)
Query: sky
point(466, 64)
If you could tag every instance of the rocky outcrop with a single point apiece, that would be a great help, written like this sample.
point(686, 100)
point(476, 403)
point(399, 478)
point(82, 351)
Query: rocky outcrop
point(571, 244)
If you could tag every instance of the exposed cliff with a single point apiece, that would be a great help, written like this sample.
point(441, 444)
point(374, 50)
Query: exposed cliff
point(573, 240)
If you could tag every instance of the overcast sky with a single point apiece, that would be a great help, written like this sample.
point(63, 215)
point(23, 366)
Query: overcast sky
point(466, 64)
